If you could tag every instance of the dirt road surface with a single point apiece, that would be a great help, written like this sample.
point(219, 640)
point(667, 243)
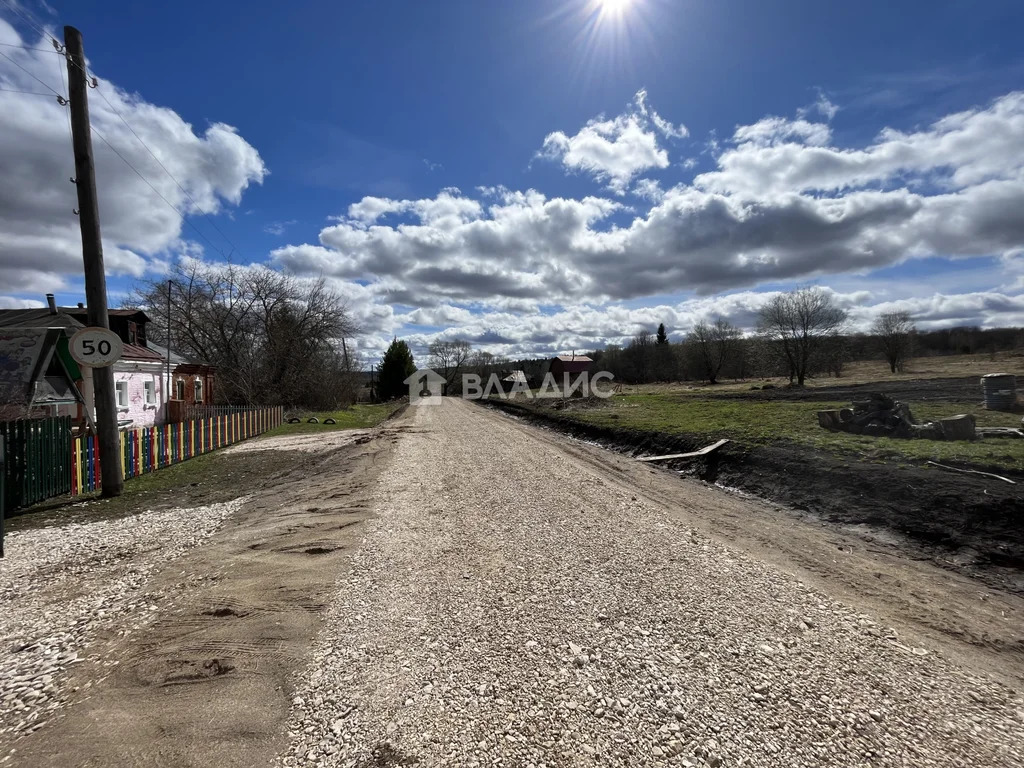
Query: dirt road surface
point(460, 588)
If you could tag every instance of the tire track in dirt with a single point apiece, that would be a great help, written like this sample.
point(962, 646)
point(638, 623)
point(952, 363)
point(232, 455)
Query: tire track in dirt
point(207, 683)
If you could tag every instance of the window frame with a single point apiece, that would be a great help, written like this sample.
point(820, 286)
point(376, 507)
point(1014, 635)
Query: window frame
point(149, 391)
point(197, 390)
point(119, 387)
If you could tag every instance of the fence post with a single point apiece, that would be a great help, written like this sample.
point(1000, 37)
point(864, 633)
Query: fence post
point(3, 492)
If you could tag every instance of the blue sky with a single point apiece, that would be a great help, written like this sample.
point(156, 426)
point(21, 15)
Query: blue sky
point(616, 166)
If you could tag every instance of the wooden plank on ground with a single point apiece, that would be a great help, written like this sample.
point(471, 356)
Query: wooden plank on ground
point(692, 454)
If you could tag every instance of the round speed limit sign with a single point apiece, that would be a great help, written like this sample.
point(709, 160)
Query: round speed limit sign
point(96, 347)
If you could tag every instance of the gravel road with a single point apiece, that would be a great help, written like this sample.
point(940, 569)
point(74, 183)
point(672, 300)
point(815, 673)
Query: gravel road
point(514, 605)
point(63, 588)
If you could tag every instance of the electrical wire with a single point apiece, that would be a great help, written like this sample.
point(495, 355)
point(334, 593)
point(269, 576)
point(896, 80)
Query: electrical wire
point(164, 167)
point(64, 87)
point(93, 81)
point(27, 18)
point(27, 93)
point(159, 194)
point(27, 47)
point(45, 85)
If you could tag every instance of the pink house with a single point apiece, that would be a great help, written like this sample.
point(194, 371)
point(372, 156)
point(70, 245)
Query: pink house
point(139, 374)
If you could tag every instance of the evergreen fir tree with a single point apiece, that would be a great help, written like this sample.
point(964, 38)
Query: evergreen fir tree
point(395, 367)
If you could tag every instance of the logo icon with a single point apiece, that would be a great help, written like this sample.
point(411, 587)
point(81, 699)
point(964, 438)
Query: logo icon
point(425, 387)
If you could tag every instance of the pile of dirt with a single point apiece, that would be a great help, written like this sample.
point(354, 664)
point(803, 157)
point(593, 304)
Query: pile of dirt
point(965, 522)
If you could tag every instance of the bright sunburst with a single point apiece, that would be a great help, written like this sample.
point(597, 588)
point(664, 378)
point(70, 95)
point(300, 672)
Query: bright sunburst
point(612, 9)
point(607, 35)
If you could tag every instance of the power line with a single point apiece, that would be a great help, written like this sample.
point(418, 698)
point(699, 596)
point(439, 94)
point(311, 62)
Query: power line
point(160, 195)
point(26, 47)
point(178, 184)
point(64, 87)
point(164, 167)
point(45, 85)
point(27, 18)
point(94, 81)
point(27, 93)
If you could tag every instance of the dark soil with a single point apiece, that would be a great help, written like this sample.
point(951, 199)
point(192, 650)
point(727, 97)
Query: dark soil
point(963, 390)
point(969, 523)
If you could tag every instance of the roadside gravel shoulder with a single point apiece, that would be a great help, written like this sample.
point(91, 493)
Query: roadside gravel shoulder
point(189, 622)
point(64, 588)
point(514, 605)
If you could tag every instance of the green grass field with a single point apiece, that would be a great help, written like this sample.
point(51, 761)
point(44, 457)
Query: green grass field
point(759, 422)
point(361, 416)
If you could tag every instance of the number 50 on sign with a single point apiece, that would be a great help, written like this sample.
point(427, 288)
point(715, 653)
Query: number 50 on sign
point(96, 347)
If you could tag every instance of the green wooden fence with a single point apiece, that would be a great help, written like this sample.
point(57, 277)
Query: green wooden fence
point(37, 460)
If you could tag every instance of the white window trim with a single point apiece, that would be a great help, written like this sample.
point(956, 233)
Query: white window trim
point(198, 392)
point(149, 392)
point(119, 387)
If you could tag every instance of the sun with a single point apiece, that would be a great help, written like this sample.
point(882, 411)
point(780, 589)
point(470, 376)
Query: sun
point(613, 8)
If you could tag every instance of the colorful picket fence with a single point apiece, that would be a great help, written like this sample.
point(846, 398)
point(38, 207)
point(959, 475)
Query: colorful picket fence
point(148, 449)
point(42, 459)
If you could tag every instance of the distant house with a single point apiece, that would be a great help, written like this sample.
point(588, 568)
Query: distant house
point(137, 375)
point(572, 366)
point(191, 383)
point(37, 374)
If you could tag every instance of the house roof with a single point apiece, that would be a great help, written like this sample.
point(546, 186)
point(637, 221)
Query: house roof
point(25, 355)
point(173, 356)
point(135, 352)
point(176, 358)
point(40, 317)
point(83, 312)
point(515, 377)
point(574, 358)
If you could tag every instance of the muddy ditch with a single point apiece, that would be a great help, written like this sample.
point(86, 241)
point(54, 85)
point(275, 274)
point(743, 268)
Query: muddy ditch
point(968, 523)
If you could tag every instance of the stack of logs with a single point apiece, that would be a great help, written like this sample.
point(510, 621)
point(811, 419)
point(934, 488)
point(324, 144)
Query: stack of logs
point(881, 416)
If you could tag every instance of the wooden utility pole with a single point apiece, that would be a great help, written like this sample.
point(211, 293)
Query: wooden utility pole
point(111, 472)
point(167, 391)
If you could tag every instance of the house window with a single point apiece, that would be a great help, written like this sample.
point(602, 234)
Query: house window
point(132, 332)
point(199, 390)
point(149, 388)
point(179, 389)
point(121, 389)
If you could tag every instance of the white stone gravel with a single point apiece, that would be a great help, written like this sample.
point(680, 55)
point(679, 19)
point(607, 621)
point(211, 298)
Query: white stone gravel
point(317, 442)
point(515, 606)
point(62, 586)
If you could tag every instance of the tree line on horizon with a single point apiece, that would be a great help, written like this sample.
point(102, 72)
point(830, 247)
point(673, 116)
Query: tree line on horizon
point(800, 334)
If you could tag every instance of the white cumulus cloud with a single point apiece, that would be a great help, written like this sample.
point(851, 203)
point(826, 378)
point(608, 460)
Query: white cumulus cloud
point(39, 234)
point(615, 150)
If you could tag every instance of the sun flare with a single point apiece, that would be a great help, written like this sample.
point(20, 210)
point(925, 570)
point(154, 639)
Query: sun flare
point(613, 8)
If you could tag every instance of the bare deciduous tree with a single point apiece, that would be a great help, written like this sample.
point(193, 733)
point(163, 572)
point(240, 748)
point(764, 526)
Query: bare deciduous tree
point(715, 345)
point(275, 339)
point(895, 337)
point(801, 322)
point(483, 363)
point(638, 356)
point(448, 359)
